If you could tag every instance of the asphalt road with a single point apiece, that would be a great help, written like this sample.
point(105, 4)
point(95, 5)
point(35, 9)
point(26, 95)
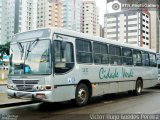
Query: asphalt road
point(110, 106)
point(3, 88)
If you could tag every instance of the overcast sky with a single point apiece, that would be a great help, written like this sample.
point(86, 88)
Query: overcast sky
point(102, 8)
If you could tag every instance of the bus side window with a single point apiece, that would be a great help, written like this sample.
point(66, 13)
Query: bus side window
point(137, 58)
point(64, 59)
point(152, 58)
point(127, 56)
point(115, 55)
point(145, 59)
point(100, 53)
point(84, 51)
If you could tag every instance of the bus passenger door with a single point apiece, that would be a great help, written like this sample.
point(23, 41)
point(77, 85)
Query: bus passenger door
point(63, 54)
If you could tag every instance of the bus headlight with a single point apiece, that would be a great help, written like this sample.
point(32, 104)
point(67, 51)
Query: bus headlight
point(11, 86)
point(35, 87)
point(41, 87)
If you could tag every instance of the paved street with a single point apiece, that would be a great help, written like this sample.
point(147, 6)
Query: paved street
point(3, 88)
point(5, 101)
point(122, 103)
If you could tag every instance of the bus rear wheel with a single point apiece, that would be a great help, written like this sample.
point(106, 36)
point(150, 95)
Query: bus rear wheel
point(82, 95)
point(138, 87)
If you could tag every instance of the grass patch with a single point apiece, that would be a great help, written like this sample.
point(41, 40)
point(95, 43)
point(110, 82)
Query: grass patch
point(3, 80)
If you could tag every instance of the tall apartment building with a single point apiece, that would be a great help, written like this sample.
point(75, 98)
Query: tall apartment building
point(59, 13)
point(1, 21)
point(158, 28)
point(10, 20)
point(56, 13)
point(71, 14)
point(155, 33)
point(155, 27)
point(48, 13)
point(43, 13)
point(90, 18)
point(18, 16)
point(28, 15)
point(132, 26)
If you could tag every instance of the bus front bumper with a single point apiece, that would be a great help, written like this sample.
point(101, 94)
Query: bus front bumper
point(39, 95)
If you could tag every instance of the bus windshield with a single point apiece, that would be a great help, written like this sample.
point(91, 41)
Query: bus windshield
point(33, 57)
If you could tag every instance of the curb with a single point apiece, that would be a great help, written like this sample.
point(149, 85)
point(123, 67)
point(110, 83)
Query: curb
point(17, 104)
point(3, 84)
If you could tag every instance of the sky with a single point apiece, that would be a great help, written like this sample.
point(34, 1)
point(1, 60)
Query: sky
point(101, 4)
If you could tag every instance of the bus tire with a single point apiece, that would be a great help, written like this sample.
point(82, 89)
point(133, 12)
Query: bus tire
point(82, 95)
point(138, 87)
point(130, 92)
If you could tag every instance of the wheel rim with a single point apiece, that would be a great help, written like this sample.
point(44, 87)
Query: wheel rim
point(139, 88)
point(82, 95)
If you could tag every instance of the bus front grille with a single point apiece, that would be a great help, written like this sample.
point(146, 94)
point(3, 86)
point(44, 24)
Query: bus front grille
point(25, 85)
point(18, 81)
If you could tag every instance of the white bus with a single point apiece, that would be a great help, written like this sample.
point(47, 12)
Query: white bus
point(158, 65)
point(54, 64)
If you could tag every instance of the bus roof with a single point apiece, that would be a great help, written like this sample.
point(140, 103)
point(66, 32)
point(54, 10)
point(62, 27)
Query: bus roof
point(98, 39)
point(90, 37)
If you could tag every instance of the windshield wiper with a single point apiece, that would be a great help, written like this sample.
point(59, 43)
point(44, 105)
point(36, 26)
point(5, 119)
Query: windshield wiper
point(31, 47)
point(21, 48)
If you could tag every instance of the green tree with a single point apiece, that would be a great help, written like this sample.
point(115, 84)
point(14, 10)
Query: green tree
point(4, 49)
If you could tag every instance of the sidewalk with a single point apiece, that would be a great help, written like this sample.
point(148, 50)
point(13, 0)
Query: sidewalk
point(6, 102)
point(3, 88)
point(9, 102)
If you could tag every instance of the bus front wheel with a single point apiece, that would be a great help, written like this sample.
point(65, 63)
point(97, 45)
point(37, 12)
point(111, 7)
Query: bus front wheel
point(82, 95)
point(138, 87)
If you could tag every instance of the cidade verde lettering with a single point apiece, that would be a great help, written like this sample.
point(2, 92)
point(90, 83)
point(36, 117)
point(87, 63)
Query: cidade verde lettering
point(127, 74)
point(108, 74)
